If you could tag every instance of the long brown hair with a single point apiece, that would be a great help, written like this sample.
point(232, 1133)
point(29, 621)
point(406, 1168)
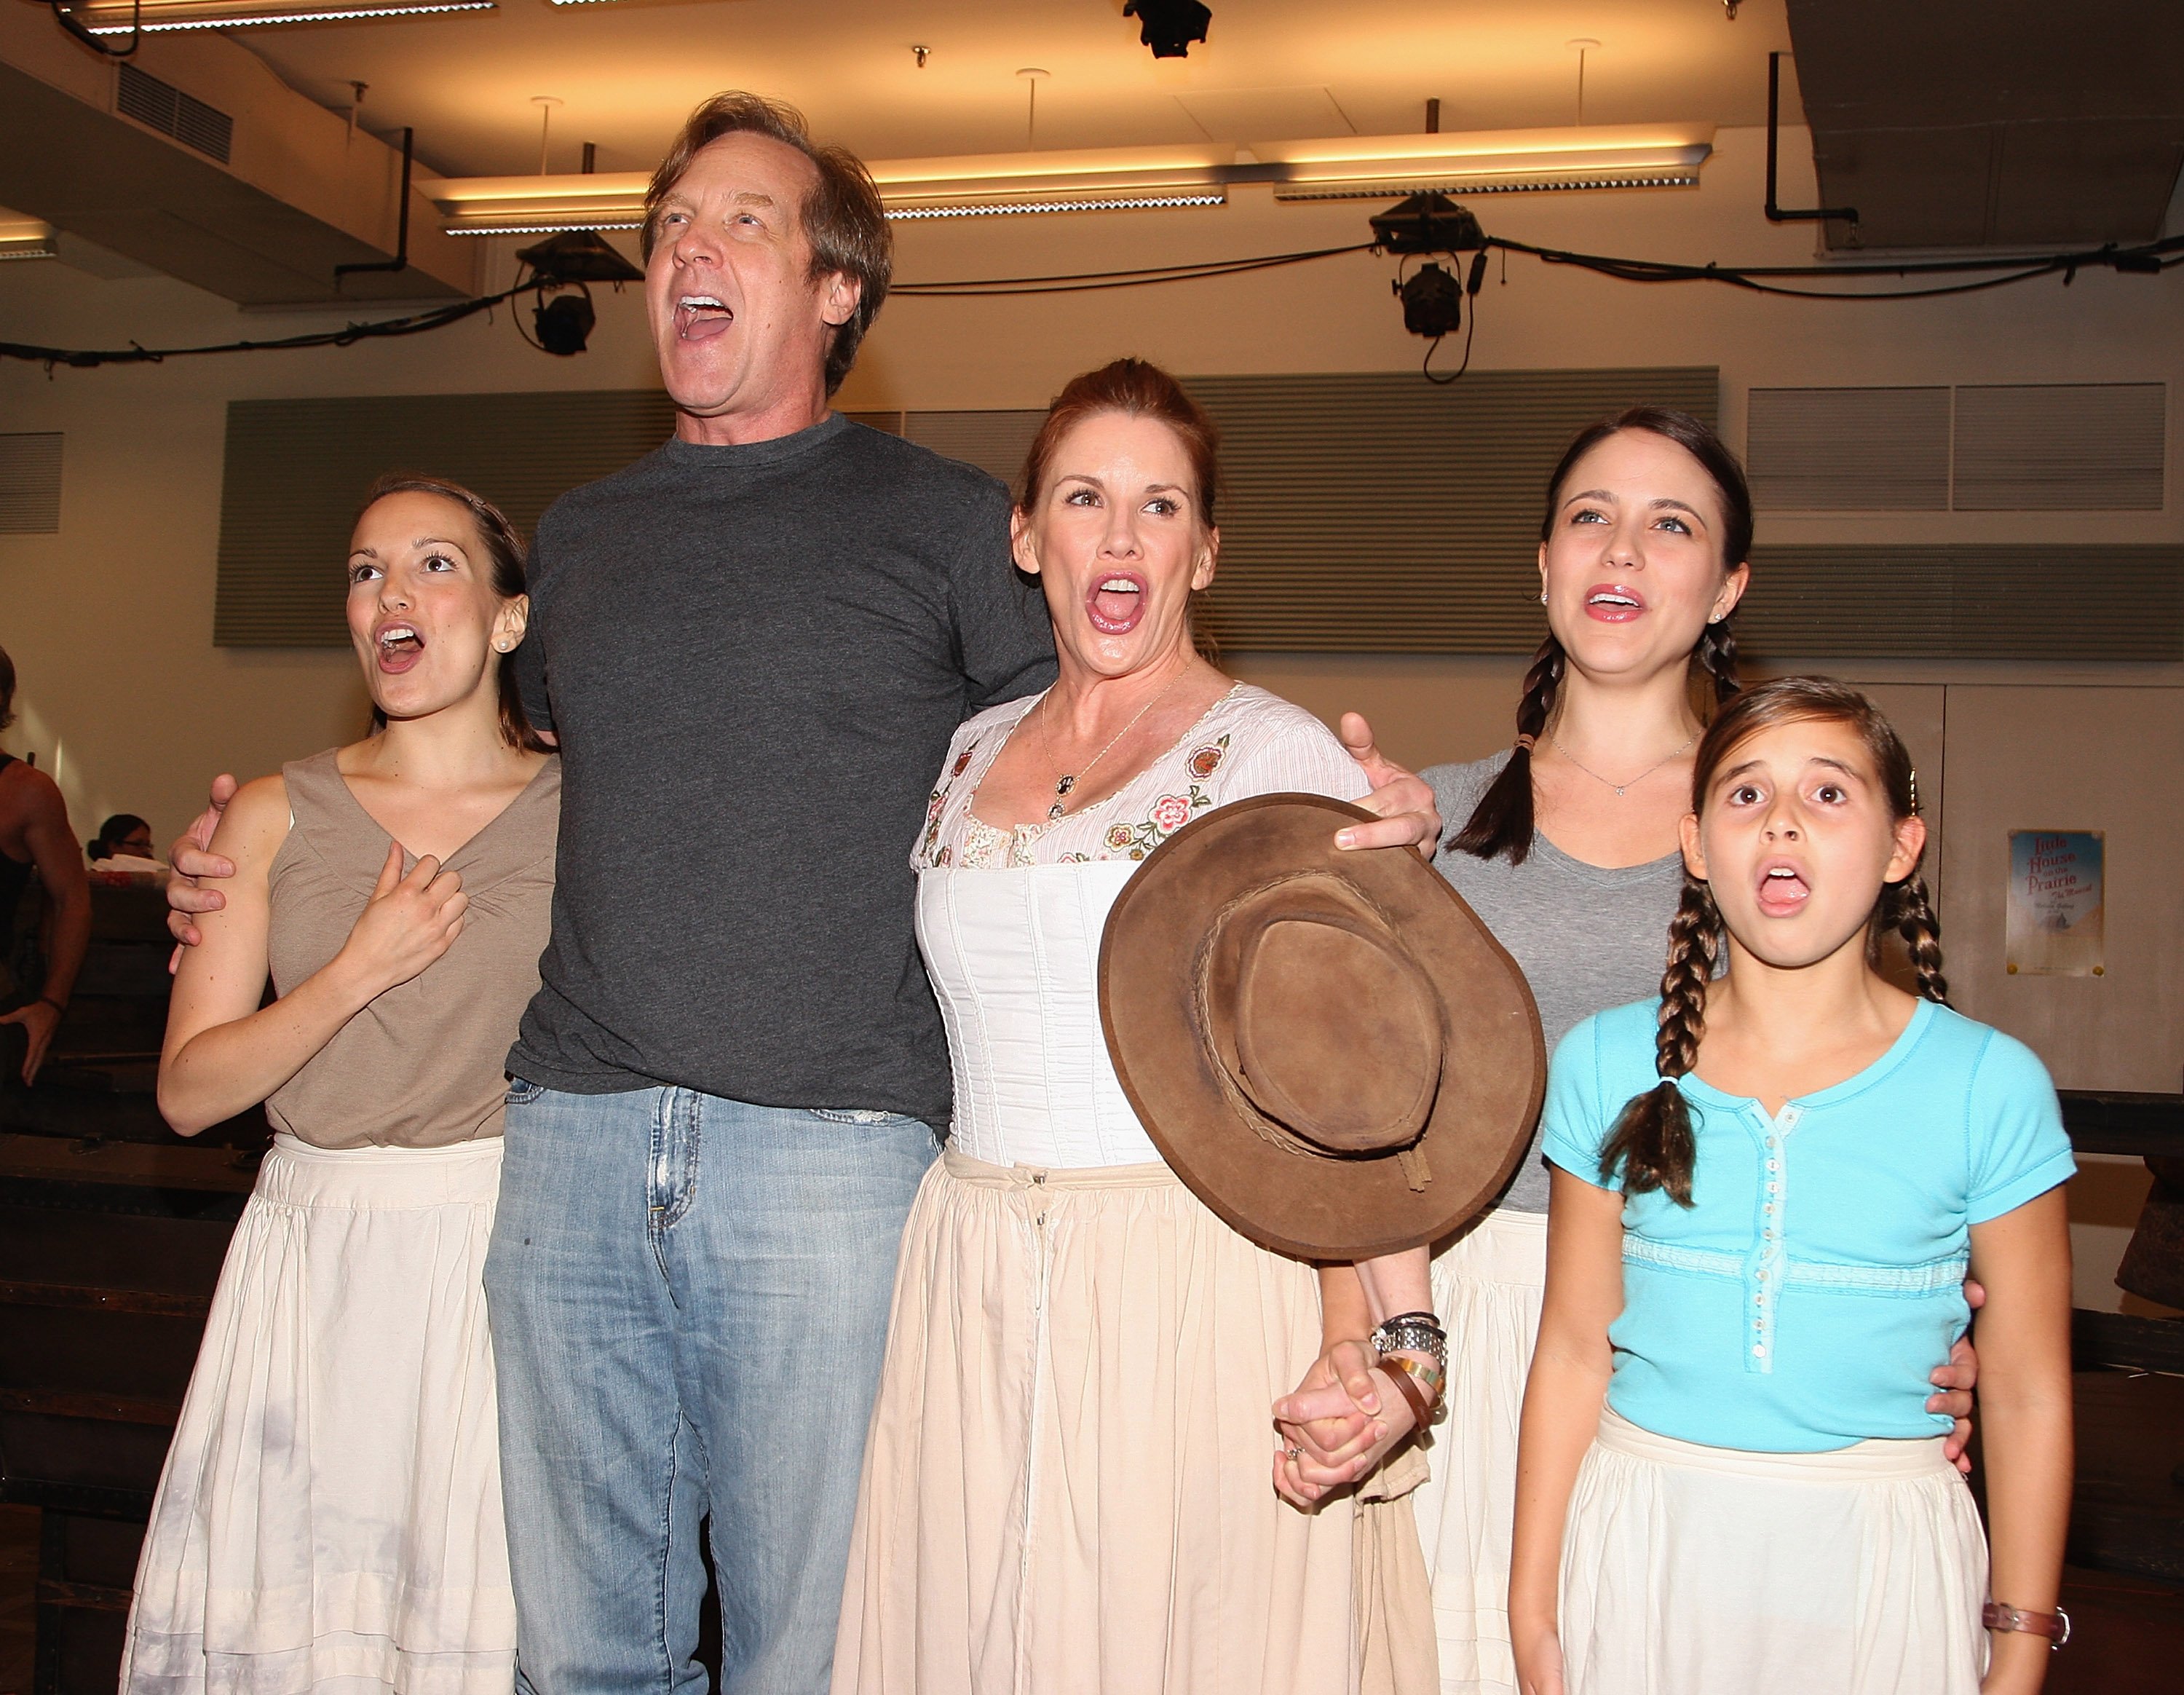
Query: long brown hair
point(503, 551)
point(1502, 821)
point(1653, 1146)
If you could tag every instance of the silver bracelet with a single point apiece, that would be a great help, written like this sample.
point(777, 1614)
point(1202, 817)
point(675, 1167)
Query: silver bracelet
point(1413, 1333)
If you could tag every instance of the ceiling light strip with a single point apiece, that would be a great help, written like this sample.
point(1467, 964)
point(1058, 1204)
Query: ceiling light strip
point(541, 229)
point(1469, 186)
point(334, 14)
point(996, 209)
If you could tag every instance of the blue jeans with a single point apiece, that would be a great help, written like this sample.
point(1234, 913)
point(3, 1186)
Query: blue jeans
point(689, 1299)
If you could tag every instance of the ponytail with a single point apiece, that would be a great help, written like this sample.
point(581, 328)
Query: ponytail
point(1502, 822)
point(1652, 1143)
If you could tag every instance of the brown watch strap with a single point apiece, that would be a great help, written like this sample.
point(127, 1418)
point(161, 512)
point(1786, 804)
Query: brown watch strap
point(1405, 1378)
point(1999, 1616)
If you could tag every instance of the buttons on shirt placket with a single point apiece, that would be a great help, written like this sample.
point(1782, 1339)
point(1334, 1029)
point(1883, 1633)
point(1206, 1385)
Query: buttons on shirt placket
point(1772, 1258)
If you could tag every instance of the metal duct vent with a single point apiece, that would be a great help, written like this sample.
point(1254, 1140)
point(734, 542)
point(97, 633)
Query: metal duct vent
point(1849, 450)
point(163, 107)
point(30, 484)
point(2061, 447)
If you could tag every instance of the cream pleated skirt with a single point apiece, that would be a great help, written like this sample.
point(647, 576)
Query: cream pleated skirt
point(1487, 1288)
point(1691, 1570)
point(329, 1518)
point(1069, 1486)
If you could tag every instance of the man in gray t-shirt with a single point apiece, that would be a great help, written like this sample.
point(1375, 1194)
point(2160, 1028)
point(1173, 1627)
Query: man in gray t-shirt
point(753, 647)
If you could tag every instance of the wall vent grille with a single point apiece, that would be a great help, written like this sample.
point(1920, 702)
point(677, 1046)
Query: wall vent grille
point(2061, 447)
point(995, 442)
point(1849, 450)
point(163, 107)
point(30, 484)
point(2065, 447)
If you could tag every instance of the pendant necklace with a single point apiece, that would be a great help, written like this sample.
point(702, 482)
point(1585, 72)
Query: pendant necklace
point(1067, 783)
point(1619, 787)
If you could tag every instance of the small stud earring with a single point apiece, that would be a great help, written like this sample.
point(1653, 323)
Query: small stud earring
point(1543, 597)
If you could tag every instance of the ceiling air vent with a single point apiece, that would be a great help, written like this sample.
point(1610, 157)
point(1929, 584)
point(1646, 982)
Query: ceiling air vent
point(163, 107)
point(2060, 447)
point(1849, 450)
point(30, 484)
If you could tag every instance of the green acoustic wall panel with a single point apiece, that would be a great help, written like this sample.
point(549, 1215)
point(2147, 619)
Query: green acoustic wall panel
point(297, 471)
point(1382, 514)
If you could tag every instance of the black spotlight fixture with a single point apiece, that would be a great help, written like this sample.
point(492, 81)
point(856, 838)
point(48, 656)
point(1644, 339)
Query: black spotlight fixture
point(564, 322)
point(1433, 302)
point(1169, 27)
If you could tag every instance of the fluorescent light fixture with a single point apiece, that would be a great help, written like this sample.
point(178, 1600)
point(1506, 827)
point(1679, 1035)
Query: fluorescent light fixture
point(160, 17)
point(1488, 162)
point(1120, 179)
point(995, 208)
point(22, 237)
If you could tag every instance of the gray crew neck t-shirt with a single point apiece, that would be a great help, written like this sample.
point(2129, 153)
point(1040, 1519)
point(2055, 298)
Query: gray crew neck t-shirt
point(1587, 937)
point(755, 658)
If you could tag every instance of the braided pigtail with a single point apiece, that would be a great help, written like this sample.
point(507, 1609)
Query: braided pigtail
point(1907, 909)
point(1716, 655)
point(1502, 822)
point(1652, 1145)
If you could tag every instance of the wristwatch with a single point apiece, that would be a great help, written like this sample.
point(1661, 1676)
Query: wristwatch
point(2001, 1617)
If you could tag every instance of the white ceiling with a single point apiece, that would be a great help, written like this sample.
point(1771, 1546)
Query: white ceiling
point(628, 69)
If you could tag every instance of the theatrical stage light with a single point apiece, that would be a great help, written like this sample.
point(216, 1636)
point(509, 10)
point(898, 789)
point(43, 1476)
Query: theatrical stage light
point(1169, 27)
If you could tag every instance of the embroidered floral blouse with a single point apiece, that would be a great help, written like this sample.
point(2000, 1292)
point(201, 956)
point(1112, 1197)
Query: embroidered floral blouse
point(1010, 920)
point(1247, 743)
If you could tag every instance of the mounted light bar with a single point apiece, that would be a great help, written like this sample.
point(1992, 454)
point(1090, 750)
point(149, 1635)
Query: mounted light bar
point(22, 237)
point(1131, 179)
point(1489, 162)
point(120, 17)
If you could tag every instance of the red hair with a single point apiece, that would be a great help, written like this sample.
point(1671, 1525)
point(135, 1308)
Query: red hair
point(1138, 390)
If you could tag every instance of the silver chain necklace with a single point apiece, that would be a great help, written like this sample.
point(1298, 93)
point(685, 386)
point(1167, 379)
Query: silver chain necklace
point(1071, 780)
point(1631, 782)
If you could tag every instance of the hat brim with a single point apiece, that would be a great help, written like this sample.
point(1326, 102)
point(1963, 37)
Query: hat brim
point(1493, 1070)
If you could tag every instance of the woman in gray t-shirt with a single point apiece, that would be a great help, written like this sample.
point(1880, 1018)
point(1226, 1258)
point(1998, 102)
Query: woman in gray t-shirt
point(1566, 845)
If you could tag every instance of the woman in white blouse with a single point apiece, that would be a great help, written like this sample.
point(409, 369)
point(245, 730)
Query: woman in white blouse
point(1066, 1484)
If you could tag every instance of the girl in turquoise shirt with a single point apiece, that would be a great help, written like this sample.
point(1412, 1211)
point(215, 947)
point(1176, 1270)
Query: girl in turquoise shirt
point(1768, 1187)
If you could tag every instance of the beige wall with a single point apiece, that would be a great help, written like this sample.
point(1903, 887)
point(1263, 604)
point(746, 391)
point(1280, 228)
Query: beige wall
point(127, 698)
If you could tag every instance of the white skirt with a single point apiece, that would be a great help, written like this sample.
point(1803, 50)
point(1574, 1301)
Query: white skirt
point(1691, 1570)
point(1487, 1288)
point(329, 1518)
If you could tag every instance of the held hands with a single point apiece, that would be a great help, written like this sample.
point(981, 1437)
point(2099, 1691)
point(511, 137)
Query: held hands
point(1337, 1425)
point(192, 857)
point(409, 921)
point(1404, 803)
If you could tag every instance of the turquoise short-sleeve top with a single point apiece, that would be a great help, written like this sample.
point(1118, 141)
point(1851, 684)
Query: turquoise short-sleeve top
point(1799, 1303)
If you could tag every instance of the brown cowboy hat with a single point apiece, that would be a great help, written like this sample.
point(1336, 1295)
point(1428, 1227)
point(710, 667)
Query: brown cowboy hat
point(1328, 1047)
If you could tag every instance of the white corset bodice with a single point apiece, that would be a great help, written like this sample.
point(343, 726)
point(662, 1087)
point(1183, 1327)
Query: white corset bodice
point(1010, 922)
point(1014, 957)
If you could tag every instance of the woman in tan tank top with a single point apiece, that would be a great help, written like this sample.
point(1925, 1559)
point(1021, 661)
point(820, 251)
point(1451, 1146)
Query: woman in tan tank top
point(331, 1507)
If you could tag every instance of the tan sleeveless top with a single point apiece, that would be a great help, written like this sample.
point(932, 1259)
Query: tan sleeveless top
point(423, 1065)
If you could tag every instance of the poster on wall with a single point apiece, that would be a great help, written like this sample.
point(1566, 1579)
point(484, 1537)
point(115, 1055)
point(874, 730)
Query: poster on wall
point(2055, 893)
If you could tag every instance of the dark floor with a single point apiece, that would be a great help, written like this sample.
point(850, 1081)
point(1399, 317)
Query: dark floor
point(2129, 1637)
